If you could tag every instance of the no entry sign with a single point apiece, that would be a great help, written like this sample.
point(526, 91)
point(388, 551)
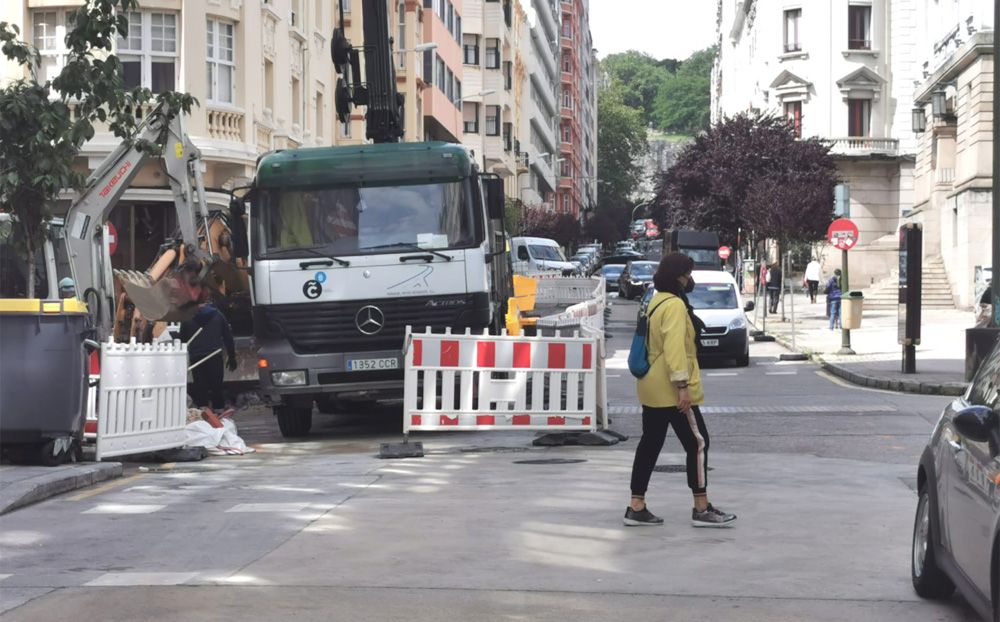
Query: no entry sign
point(724, 252)
point(843, 234)
point(112, 238)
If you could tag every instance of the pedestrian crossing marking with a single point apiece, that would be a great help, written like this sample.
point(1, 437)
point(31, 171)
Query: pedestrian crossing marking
point(722, 373)
point(5, 576)
point(130, 579)
point(780, 373)
point(124, 508)
point(269, 507)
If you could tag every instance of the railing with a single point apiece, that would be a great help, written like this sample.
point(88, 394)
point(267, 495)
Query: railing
point(225, 124)
point(944, 176)
point(859, 44)
point(861, 145)
point(264, 134)
point(793, 47)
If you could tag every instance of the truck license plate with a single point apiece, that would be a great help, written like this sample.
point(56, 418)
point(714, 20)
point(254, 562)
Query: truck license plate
point(372, 364)
point(709, 342)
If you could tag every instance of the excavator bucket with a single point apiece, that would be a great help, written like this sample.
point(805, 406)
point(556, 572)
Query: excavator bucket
point(170, 299)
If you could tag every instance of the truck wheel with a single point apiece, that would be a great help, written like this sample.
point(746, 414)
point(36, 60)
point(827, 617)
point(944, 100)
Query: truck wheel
point(929, 581)
point(293, 422)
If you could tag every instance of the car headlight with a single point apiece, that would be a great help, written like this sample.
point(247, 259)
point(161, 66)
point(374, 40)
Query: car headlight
point(740, 321)
point(288, 378)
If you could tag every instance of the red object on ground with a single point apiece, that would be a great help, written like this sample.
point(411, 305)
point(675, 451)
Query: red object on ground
point(212, 420)
point(843, 234)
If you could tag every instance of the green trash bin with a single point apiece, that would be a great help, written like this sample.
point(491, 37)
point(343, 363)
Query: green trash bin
point(851, 304)
point(43, 376)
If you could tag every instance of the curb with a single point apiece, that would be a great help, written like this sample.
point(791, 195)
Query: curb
point(878, 382)
point(58, 481)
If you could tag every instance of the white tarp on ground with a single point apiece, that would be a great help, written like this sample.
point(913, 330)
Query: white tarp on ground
point(222, 441)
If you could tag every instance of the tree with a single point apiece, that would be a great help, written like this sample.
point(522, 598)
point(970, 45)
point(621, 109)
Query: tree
point(683, 102)
point(602, 228)
point(43, 125)
point(641, 77)
point(512, 214)
point(621, 143)
point(751, 173)
point(562, 227)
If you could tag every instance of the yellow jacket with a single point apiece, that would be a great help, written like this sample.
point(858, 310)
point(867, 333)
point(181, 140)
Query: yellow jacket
point(673, 355)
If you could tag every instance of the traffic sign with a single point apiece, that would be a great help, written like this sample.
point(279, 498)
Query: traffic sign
point(843, 234)
point(112, 238)
point(724, 252)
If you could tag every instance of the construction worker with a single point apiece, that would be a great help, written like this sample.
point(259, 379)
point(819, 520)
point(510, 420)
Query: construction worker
point(67, 288)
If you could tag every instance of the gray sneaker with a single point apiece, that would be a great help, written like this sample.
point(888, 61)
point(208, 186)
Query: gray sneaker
point(641, 518)
point(711, 517)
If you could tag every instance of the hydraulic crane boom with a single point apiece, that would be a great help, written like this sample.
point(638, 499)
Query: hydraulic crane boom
point(85, 239)
point(384, 118)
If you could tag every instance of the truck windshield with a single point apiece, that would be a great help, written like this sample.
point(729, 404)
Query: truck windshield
point(713, 296)
point(381, 219)
point(703, 256)
point(547, 253)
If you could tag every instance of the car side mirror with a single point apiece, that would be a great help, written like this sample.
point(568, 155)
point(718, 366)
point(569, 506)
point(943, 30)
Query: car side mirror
point(494, 197)
point(749, 306)
point(976, 423)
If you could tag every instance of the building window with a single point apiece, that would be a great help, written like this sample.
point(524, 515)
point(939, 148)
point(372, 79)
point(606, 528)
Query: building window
point(346, 5)
point(792, 19)
point(401, 41)
point(859, 117)
point(295, 17)
point(320, 112)
point(859, 26)
point(493, 53)
point(567, 63)
point(221, 62)
point(793, 112)
point(567, 29)
point(269, 87)
point(566, 134)
point(458, 27)
point(451, 19)
point(440, 70)
point(565, 170)
point(508, 75)
point(458, 92)
point(296, 104)
point(470, 117)
point(449, 85)
point(493, 120)
point(48, 32)
point(471, 49)
point(149, 52)
point(567, 100)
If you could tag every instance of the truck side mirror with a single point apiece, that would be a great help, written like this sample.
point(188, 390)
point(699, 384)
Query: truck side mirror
point(494, 198)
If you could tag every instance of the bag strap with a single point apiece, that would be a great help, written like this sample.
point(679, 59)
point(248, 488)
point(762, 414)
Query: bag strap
point(649, 316)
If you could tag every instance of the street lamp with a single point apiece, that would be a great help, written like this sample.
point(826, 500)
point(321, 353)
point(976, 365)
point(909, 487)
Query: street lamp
point(919, 123)
point(643, 204)
point(423, 47)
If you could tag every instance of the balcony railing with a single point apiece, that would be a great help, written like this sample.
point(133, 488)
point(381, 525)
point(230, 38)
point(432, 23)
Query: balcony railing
point(860, 145)
point(793, 47)
point(944, 176)
point(225, 124)
point(859, 44)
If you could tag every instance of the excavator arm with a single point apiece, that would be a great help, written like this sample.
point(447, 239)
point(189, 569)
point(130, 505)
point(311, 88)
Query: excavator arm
point(86, 236)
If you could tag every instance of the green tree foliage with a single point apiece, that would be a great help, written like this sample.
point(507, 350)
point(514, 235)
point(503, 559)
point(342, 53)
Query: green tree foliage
point(683, 103)
point(641, 77)
point(43, 125)
point(750, 173)
point(621, 143)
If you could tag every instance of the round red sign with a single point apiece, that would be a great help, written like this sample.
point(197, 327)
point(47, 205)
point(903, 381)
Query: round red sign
point(724, 252)
point(112, 238)
point(843, 234)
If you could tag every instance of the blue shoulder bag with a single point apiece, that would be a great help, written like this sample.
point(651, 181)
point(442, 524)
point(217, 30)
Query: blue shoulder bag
point(638, 353)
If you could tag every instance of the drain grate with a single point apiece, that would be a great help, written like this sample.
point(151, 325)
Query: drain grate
point(551, 461)
point(672, 468)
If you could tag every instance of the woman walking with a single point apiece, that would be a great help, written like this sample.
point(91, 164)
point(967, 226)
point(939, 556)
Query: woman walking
point(671, 394)
point(833, 295)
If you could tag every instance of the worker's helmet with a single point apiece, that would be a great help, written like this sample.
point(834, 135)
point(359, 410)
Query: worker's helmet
point(67, 286)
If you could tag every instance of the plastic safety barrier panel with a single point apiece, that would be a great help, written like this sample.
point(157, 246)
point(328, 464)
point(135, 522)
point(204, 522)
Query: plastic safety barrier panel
point(491, 382)
point(142, 405)
point(567, 290)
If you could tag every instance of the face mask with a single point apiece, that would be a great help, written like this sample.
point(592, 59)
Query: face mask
point(690, 286)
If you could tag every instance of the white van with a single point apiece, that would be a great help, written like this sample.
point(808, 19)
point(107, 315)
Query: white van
point(534, 255)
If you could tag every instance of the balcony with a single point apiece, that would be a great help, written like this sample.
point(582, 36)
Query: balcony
point(225, 124)
point(863, 146)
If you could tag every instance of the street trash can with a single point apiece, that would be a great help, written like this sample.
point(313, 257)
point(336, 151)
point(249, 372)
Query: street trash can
point(850, 311)
point(43, 376)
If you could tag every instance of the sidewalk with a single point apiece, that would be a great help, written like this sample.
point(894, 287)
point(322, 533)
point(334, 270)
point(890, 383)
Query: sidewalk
point(878, 359)
point(24, 485)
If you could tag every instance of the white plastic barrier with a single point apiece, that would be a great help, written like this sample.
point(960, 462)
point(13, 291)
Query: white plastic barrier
point(143, 398)
point(490, 382)
point(564, 291)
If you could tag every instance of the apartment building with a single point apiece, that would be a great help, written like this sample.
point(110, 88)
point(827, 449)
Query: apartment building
point(953, 120)
point(843, 71)
point(492, 63)
point(539, 127)
point(260, 69)
point(578, 96)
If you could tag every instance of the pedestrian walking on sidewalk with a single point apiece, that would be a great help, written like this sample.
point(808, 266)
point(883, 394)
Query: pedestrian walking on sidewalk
point(833, 294)
point(812, 277)
point(671, 394)
point(214, 339)
point(774, 286)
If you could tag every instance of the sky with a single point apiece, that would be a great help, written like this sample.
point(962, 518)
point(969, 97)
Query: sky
point(661, 28)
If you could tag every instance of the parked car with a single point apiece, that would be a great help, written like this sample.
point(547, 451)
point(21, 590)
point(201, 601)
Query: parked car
point(622, 258)
point(956, 531)
point(533, 255)
point(716, 300)
point(635, 278)
point(611, 274)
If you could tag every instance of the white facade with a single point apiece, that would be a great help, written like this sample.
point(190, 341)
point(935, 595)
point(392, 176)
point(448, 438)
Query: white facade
point(540, 97)
point(844, 71)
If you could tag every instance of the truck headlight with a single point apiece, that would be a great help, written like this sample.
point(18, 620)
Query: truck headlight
point(288, 378)
point(740, 321)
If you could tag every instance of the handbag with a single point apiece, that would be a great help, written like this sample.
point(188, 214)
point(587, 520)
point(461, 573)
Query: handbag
point(638, 353)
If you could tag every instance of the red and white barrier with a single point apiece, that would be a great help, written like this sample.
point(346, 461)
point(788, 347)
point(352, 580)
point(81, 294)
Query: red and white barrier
point(491, 382)
point(93, 388)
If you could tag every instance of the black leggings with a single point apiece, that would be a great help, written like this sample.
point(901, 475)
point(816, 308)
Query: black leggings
point(206, 386)
point(690, 431)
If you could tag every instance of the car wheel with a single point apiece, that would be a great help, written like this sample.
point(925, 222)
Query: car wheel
point(929, 581)
point(743, 360)
point(293, 421)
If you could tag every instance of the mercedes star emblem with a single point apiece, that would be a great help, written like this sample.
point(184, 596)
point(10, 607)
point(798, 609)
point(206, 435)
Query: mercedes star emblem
point(369, 320)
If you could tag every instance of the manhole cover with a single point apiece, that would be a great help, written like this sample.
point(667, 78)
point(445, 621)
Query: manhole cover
point(672, 468)
point(551, 461)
